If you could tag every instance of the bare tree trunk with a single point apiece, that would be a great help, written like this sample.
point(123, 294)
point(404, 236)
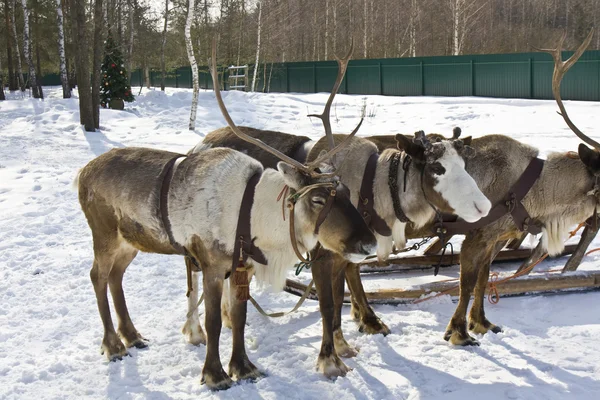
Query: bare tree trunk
point(366, 26)
point(36, 90)
point(385, 30)
point(335, 26)
point(97, 60)
point(12, 78)
point(162, 47)
point(269, 82)
point(130, 47)
point(456, 10)
point(86, 115)
point(257, 46)
point(2, 96)
point(147, 75)
point(413, 28)
point(326, 27)
point(315, 35)
point(16, 41)
point(61, 51)
point(190, 52)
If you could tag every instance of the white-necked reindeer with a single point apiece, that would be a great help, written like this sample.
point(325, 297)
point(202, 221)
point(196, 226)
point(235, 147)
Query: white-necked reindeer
point(138, 199)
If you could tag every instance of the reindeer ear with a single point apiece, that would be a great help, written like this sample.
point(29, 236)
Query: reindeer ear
point(467, 140)
point(291, 176)
point(590, 158)
point(468, 152)
point(411, 148)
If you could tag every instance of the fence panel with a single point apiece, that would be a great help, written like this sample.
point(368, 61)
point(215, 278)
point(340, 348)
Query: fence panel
point(522, 75)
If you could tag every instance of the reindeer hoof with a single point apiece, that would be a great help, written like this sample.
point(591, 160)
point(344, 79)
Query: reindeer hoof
point(218, 381)
point(373, 326)
point(455, 338)
point(245, 372)
point(342, 347)
point(332, 366)
point(193, 333)
point(483, 328)
point(113, 349)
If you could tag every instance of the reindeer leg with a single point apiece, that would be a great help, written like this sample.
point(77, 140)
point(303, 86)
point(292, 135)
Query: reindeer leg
point(192, 330)
point(337, 279)
point(226, 303)
point(361, 311)
point(240, 366)
point(213, 374)
point(126, 331)
point(328, 362)
point(477, 321)
point(112, 347)
point(470, 259)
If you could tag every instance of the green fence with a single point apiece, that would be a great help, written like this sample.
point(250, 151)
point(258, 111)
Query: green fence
point(522, 75)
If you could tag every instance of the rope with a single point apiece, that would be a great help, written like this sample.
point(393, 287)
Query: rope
point(260, 309)
point(494, 282)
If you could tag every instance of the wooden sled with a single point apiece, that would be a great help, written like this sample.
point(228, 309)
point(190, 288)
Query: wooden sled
point(567, 279)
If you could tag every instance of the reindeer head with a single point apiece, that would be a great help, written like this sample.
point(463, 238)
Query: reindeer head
point(445, 182)
point(318, 202)
point(324, 213)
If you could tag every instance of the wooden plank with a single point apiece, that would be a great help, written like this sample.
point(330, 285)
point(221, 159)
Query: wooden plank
point(518, 286)
point(448, 259)
point(588, 235)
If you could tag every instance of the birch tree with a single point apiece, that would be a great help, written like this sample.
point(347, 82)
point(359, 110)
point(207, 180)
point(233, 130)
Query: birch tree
point(257, 46)
point(12, 80)
point(131, 36)
point(61, 51)
point(36, 89)
point(190, 53)
point(13, 26)
point(162, 47)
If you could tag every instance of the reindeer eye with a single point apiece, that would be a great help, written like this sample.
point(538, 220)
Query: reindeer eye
point(318, 200)
point(436, 168)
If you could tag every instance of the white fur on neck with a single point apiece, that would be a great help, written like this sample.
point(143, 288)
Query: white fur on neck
point(272, 232)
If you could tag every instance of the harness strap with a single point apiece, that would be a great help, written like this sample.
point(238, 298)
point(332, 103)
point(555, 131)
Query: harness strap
point(511, 204)
point(163, 206)
point(244, 242)
point(393, 184)
point(293, 235)
point(366, 201)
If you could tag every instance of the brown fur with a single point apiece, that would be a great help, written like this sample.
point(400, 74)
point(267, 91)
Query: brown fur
point(286, 143)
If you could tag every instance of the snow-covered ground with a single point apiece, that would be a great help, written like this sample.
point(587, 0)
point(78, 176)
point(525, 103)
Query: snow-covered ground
point(50, 330)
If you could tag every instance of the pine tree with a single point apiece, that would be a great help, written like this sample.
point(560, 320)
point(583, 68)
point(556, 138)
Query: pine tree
point(115, 82)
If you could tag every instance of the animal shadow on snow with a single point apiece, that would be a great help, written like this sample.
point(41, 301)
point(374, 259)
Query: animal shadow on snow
point(432, 383)
point(99, 143)
point(124, 381)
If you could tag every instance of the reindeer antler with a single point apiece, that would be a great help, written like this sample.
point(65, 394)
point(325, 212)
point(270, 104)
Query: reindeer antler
point(560, 68)
point(325, 115)
point(309, 169)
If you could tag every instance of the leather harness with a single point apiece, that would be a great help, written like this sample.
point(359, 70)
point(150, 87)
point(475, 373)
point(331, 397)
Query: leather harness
point(366, 201)
point(243, 236)
point(511, 204)
point(244, 243)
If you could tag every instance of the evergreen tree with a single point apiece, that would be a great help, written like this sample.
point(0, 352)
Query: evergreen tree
point(115, 81)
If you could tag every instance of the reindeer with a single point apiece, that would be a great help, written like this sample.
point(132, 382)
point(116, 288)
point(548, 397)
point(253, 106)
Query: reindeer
point(565, 193)
point(426, 177)
point(139, 199)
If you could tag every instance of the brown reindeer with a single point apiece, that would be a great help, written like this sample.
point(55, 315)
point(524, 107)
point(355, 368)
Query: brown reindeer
point(138, 199)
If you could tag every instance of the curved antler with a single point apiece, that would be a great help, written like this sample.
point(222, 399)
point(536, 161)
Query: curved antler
point(234, 128)
point(325, 115)
point(560, 68)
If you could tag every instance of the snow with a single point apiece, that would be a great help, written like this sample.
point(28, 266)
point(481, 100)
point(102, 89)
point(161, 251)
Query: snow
point(50, 330)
